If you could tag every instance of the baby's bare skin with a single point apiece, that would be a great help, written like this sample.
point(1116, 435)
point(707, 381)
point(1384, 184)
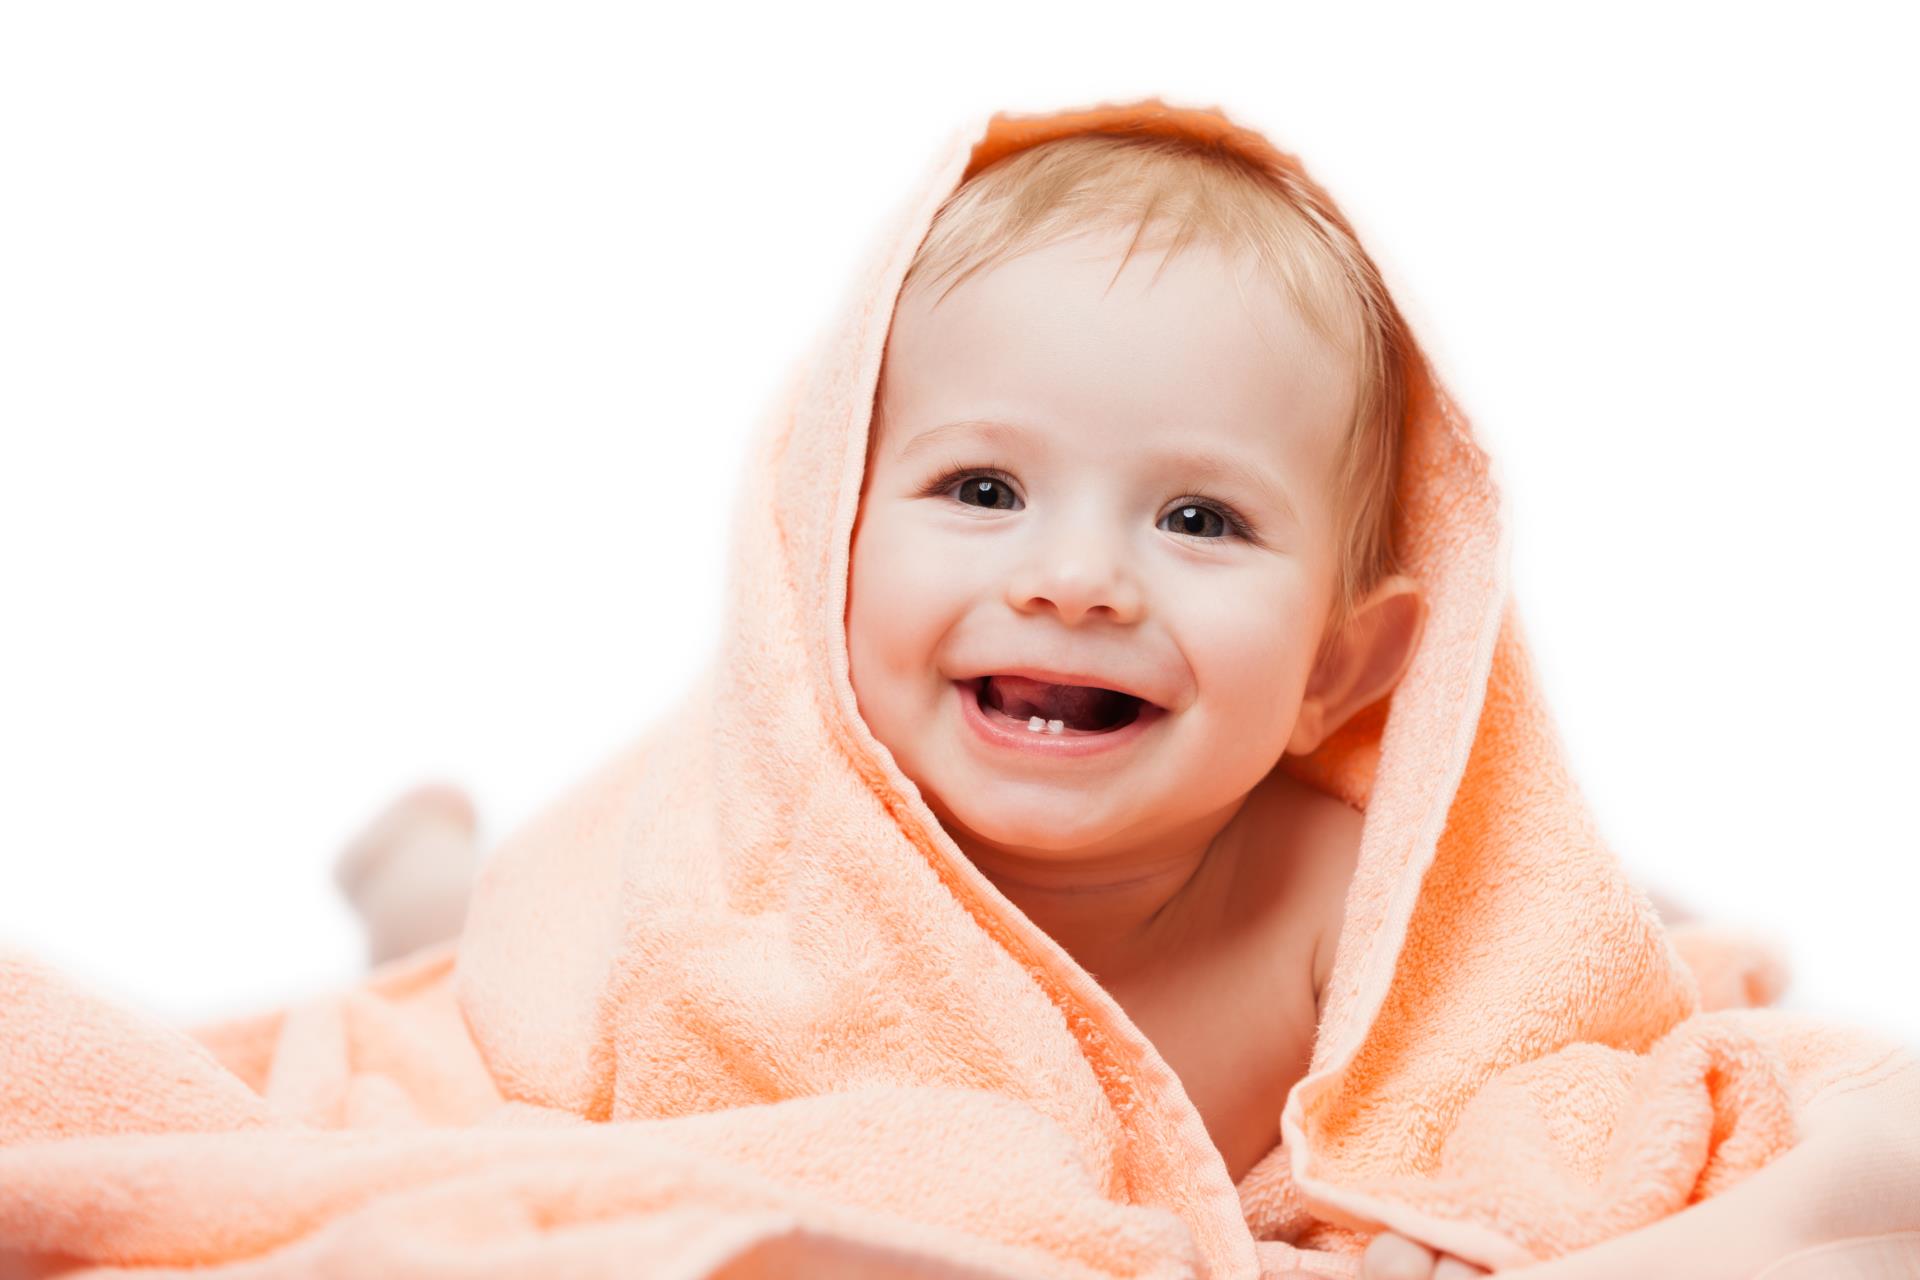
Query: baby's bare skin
point(1233, 1004)
point(409, 872)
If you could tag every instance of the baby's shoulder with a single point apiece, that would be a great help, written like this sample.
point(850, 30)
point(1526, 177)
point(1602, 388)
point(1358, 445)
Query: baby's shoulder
point(1320, 843)
point(1336, 859)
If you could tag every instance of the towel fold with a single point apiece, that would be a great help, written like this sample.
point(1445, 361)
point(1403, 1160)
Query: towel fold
point(737, 1005)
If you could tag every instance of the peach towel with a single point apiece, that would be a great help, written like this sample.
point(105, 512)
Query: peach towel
point(735, 1005)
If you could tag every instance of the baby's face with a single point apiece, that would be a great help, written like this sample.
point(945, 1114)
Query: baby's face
point(1124, 432)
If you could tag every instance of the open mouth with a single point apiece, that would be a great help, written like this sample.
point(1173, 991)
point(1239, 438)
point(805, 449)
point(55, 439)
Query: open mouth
point(1061, 710)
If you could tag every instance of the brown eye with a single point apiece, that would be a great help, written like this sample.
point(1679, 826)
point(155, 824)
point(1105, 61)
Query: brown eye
point(1192, 520)
point(984, 492)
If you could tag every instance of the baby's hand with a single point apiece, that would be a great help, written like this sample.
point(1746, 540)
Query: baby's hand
point(1392, 1257)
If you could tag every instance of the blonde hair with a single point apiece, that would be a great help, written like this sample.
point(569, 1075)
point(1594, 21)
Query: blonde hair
point(1206, 193)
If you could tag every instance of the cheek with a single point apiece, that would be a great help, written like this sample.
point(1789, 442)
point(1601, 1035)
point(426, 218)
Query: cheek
point(895, 609)
point(1250, 646)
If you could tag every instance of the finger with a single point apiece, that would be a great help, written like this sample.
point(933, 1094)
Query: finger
point(1394, 1257)
point(1452, 1268)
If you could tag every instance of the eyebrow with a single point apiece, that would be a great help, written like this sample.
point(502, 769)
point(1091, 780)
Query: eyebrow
point(1203, 467)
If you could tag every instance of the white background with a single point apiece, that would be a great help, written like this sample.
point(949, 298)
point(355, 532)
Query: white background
point(375, 379)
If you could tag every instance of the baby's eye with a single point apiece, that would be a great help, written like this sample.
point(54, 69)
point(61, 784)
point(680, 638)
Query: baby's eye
point(974, 488)
point(983, 488)
point(1191, 514)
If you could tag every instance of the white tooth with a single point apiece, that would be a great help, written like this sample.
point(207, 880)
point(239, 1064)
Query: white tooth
point(1036, 724)
point(1056, 726)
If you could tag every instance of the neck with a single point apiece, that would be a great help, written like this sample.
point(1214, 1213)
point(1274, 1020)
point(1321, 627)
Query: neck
point(1122, 910)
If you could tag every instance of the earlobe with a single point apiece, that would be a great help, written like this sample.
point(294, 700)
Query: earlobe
point(1365, 664)
point(1306, 729)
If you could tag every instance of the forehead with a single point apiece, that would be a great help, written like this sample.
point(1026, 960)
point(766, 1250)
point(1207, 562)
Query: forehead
point(1199, 351)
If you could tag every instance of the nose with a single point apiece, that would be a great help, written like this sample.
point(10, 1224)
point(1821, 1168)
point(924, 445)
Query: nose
point(1077, 568)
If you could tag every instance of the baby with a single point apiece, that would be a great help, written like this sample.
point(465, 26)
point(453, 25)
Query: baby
point(1124, 541)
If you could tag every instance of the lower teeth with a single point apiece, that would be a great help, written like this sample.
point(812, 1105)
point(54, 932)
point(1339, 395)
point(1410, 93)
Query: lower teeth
point(1037, 723)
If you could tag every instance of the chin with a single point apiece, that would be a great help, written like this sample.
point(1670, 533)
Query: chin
point(1032, 826)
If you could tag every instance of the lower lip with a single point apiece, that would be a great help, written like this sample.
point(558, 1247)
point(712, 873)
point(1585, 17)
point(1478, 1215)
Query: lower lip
point(1011, 736)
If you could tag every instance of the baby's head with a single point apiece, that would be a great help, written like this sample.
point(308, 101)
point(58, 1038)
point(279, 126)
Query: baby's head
point(1137, 423)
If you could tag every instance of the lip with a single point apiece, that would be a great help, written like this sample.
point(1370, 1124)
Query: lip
point(1046, 745)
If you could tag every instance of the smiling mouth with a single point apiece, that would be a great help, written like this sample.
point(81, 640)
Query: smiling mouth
point(1087, 713)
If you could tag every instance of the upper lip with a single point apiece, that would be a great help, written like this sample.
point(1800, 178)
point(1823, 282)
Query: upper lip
point(1049, 676)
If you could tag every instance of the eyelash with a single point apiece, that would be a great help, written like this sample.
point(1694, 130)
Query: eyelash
point(1236, 525)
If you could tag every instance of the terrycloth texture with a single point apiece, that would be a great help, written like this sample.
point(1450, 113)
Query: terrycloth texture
point(736, 1005)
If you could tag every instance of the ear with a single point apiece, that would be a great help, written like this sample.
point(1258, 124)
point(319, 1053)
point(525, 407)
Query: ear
point(1364, 663)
